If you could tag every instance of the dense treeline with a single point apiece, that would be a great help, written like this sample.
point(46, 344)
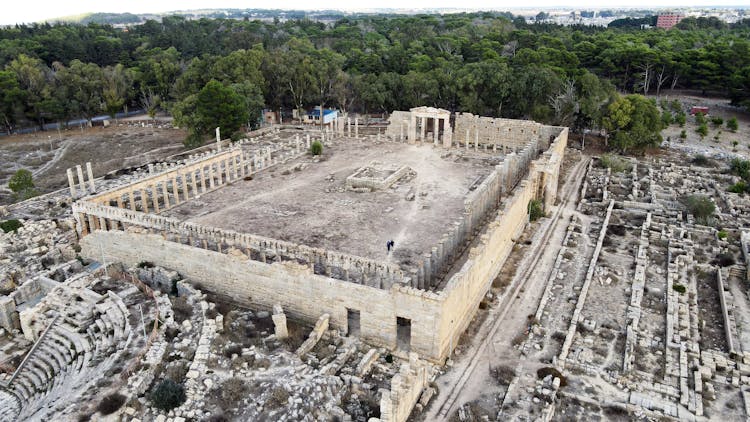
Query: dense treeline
point(482, 63)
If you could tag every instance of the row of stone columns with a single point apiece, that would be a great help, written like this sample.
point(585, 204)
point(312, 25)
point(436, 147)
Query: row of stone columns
point(79, 189)
point(349, 127)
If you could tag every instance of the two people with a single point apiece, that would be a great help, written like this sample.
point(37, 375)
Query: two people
point(390, 245)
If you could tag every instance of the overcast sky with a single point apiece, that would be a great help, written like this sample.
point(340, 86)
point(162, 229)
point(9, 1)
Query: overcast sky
point(14, 11)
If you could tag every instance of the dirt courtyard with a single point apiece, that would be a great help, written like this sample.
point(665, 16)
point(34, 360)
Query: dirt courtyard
point(306, 201)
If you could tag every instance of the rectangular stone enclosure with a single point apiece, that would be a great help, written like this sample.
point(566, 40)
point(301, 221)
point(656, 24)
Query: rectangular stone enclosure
point(266, 223)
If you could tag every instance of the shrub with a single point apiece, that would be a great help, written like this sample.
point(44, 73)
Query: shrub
point(614, 163)
point(10, 225)
point(732, 124)
point(702, 130)
point(699, 205)
point(111, 403)
point(739, 187)
point(504, 374)
point(724, 259)
point(680, 119)
point(666, 118)
point(683, 134)
point(740, 168)
point(722, 234)
point(679, 288)
point(167, 395)
point(700, 119)
point(232, 392)
point(676, 107)
point(316, 148)
point(535, 210)
point(700, 160)
point(717, 121)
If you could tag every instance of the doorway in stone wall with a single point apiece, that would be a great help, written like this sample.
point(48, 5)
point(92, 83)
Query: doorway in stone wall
point(352, 320)
point(403, 334)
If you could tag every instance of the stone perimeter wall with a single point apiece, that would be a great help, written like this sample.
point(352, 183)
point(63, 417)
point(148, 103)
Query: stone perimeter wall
point(227, 263)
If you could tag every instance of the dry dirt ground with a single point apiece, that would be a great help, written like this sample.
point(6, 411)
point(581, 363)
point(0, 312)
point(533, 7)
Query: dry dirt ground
point(306, 202)
point(710, 145)
point(48, 154)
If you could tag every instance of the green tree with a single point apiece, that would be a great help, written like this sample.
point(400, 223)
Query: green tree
point(700, 206)
point(216, 105)
point(117, 81)
point(633, 123)
point(34, 79)
point(12, 98)
point(22, 184)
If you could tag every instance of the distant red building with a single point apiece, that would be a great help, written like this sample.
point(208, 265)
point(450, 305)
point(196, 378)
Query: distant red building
point(668, 20)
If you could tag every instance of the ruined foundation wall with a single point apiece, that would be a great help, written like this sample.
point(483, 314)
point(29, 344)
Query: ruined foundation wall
point(398, 125)
point(301, 293)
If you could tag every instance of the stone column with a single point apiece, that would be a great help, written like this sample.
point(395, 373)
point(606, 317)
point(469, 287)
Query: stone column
point(81, 181)
point(279, 322)
point(165, 193)
point(447, 134)
point(144, 199)
point(131, 200)
point(401, 132)
point(90, 174)
point(202, 172)
point(176, 189)
point(427, 270)
point(92, 222)
point(412, 128)
point(211, 181)
point(349, 126)
point(218, 139)
point(356, 127)
point(435, 130)
point(476, 140)
point(155, 197)
point(71, 183)
point(423, 129)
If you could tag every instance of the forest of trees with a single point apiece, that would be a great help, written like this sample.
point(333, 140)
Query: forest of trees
point(484, 63)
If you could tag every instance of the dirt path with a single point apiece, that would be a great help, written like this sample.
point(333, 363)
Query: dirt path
point(469, 377)
point(58, 155)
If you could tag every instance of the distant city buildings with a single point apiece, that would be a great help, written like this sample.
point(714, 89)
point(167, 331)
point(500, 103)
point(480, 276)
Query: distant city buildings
point(668, 20)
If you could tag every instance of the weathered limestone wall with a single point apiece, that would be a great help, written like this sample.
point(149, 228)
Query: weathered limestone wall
point(295, 287)
point(499, 133)
point(468, 286)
